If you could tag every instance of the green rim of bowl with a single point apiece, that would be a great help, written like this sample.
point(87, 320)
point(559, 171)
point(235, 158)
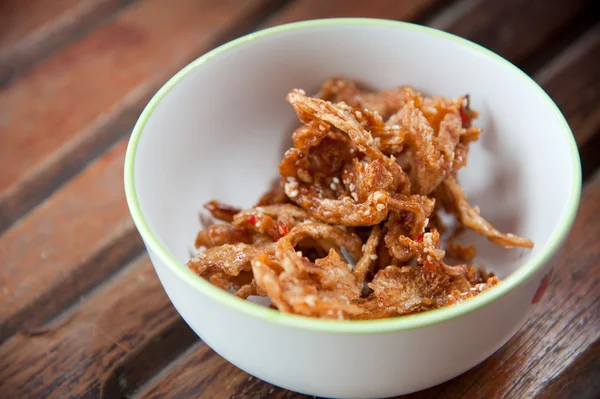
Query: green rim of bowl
point(334, 326)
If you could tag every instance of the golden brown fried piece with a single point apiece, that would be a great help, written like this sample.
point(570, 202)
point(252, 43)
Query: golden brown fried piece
point(455, 201)
point(368, 178)
point(326, 288)
point(458, 296)
point(321, 232)
point(404, 290)
point(226, 266)
point(462, 252)
point(275, 195)
point(384, 102)
point(219, 234)
point(221, 211)
point(230, 259)
point(368, 260)
point(429, 167)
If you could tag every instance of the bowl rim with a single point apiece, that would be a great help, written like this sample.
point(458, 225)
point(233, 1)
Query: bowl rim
point(517, 278)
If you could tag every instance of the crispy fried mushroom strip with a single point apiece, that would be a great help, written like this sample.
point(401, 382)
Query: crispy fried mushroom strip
point(428, 162)
point(320, 231)
point(406, 289)
point(456, 296)
point(219, 234)
point(230, 259)
point(456, 200)
point(373, 210)
point(326, 288)
point(369, 257)
point(221, 211)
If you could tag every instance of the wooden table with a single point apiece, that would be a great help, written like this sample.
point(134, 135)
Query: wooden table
point(82, 313)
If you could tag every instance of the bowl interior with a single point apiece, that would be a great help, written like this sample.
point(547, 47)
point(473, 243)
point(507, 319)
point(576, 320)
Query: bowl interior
point(221, 130)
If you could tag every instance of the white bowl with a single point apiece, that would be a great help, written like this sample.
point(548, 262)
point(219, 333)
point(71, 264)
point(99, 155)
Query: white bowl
point(217, 130)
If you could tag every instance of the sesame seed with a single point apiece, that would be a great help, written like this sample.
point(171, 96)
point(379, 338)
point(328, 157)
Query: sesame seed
point(293, 194)
point(299, 253)
point(332, 186)
point(354, 196)
point(322, 128)
point(358, 114)
point(396, 127)
point(373, 257)
point(336, 180)
point(352, 187)
point(380, 207)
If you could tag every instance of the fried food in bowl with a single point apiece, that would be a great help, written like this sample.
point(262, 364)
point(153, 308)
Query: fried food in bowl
point(365, 228)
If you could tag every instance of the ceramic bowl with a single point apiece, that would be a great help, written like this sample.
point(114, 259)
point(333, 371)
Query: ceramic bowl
point(218, 129)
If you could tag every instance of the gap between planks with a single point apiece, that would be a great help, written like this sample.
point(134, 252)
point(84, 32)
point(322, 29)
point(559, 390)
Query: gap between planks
point(23, 46)
point(52, 168)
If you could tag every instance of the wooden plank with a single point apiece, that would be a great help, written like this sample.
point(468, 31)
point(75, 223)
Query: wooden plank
point(511, 28)
point(406, 10)
point(580, 380)
point(566, 324)
point(66, 245)
point(572, 79)
point(204, 372)
point(68, 102)
point(30, 29)
point(76, 356)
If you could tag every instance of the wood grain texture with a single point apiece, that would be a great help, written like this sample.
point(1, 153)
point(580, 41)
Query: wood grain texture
point(580, 380)
point(74, 357)
point(68, 243)
point(565, 325)
point(572, 79)
point(31, 29)
point(512, 28)
point(405, 10)
point(66, 102)
point(203, 372)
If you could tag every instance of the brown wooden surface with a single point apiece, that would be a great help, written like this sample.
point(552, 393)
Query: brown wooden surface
point(76, 99)
point(83, 314)
point(31, 29)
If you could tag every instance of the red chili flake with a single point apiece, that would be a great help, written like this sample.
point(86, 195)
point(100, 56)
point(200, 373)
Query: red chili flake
point(252, 220)
point(420, 237)
point(282, 230)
